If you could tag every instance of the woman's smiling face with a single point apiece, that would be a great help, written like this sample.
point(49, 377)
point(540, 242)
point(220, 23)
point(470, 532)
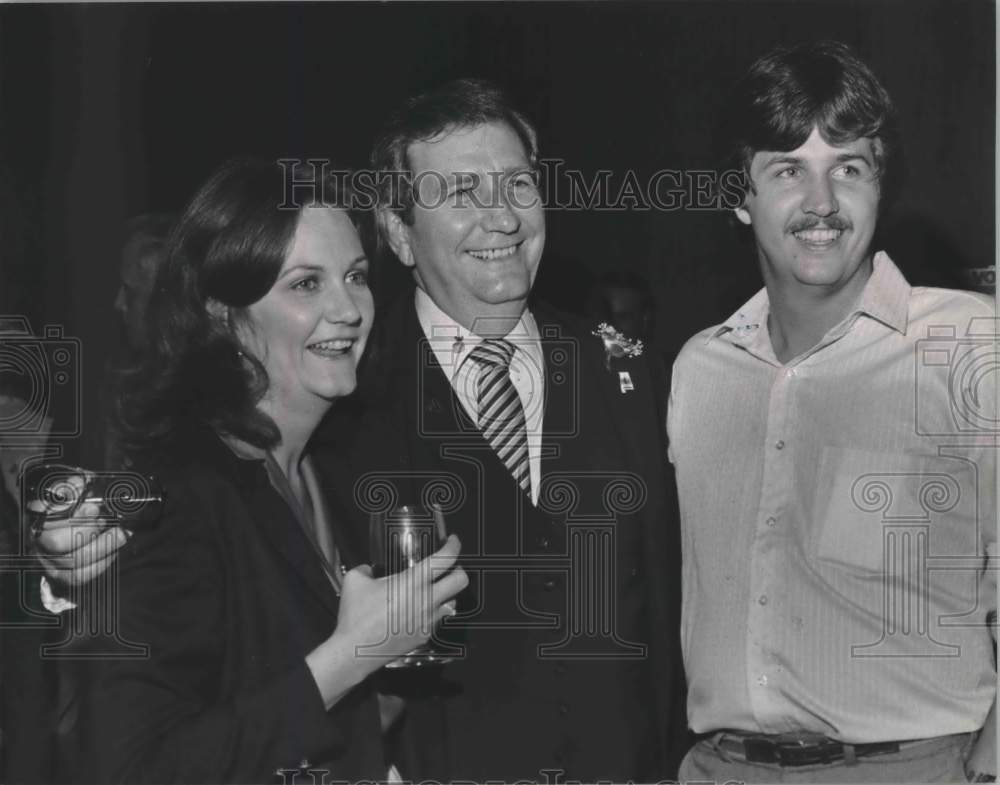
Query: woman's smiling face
point(309, 331)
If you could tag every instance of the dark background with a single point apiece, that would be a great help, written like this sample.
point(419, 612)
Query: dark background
point(112, 110)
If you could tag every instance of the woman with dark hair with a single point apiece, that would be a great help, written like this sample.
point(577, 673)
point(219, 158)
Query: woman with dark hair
point(232, 640)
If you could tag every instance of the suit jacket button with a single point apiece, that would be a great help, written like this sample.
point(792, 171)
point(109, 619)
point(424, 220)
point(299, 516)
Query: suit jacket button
point(549, 585)
point(563, 709)
point(543, 543)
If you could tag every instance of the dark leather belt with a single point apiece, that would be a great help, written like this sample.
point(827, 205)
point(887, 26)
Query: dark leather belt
point(797, 749)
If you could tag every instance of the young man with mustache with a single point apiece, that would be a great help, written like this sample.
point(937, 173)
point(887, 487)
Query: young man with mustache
point(834, 443)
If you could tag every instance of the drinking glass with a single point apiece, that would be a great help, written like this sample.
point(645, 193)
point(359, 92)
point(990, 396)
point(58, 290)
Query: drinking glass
point(398, 539)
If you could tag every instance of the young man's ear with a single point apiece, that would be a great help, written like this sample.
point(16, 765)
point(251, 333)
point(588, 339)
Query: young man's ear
point(746, 190)
point(395, 232)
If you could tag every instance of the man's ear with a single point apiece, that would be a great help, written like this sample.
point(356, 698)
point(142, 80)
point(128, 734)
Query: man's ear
point(748, 189)
point(396, 233)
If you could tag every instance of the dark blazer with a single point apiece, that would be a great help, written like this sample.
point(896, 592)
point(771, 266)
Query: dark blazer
point(568, 633)
point(203, 678)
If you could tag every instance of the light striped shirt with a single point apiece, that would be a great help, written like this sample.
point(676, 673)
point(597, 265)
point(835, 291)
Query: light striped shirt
point(839, 516)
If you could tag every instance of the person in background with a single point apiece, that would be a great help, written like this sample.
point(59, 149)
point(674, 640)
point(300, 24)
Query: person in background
point(623, 300)
point(143, 251)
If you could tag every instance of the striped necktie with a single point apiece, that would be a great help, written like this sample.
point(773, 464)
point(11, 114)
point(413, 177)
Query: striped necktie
point(501, 415)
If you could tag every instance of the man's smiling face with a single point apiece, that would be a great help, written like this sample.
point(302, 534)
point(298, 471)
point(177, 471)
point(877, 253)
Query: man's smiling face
point(478, 226)
point(813, 212)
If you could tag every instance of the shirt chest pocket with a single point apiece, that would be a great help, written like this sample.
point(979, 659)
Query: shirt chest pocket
point(865, 501)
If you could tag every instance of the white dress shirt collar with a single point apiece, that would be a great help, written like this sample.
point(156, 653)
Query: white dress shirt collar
point(886, 298)
point(452, 344)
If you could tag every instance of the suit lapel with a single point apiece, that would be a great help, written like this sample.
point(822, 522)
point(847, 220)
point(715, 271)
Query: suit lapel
point(438, 428)
point(280, 527)
point(270, 513)
point(582, 426)
point(585, 424)
point(441, 415)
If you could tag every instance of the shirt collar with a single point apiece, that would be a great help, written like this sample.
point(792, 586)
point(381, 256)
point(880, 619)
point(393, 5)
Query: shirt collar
point(886, 297)
point(452, 343)
point(887, 294)
point(747, 320)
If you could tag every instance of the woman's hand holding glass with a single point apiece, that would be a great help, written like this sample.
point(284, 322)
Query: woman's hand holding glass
point(381, 619)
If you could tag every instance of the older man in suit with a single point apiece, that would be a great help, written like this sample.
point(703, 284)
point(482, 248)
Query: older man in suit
point(542, 440)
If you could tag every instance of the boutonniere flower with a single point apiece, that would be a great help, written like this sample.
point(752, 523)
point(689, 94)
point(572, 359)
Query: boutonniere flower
point(617, 346)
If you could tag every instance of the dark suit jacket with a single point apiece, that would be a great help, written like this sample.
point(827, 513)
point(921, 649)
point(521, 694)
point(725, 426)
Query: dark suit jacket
point(569, 629)
point(204, 678)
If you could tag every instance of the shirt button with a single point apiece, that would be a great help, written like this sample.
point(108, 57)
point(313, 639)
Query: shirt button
point(762, 599)
point(563, 709)
point(634, 572)
point(779, 445)
point(762, 681)
point(771, 521)
point(790, 373)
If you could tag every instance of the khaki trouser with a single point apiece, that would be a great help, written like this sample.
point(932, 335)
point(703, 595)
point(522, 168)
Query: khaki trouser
point(935, 760)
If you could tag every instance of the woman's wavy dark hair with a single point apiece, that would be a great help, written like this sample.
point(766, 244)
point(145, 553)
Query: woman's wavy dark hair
point(228, 246)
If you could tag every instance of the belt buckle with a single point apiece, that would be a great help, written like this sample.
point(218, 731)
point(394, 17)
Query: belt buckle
point(805, 749)
point(792, 749)
point(759, 749)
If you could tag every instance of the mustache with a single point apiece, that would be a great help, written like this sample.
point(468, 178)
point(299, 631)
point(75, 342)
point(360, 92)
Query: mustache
point(813, 222)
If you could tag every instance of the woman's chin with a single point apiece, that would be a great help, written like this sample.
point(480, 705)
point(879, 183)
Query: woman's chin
point(340, 388)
